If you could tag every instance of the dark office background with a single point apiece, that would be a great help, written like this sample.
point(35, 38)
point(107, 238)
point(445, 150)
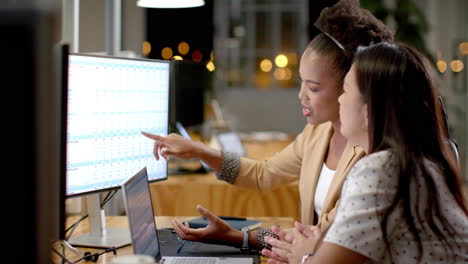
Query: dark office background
point(169, 27)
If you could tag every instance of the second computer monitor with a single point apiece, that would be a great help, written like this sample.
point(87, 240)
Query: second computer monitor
point(109, 102)
point(189, 81)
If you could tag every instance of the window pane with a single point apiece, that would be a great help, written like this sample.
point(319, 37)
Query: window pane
point(262, 31)
point(289, 31)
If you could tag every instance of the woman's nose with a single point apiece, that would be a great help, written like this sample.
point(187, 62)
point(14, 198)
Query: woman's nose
point(301, 93)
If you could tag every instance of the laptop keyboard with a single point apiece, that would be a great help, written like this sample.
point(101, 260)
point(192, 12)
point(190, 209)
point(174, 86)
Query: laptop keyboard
point(197, 260)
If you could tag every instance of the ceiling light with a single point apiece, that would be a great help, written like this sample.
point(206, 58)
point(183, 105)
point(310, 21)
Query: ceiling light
point(170, 3)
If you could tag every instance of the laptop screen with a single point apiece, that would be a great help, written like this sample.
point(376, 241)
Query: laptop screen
point(143, 230)
point(140, 215)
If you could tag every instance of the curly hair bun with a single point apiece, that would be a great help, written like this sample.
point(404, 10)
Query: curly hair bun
point(352, 26)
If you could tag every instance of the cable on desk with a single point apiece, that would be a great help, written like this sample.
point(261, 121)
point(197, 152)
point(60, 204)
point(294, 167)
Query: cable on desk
point(87, 256)
point(61, 255)
point(182, 245)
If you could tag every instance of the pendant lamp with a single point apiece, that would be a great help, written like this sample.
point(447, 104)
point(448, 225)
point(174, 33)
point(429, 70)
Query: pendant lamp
point(170, 3)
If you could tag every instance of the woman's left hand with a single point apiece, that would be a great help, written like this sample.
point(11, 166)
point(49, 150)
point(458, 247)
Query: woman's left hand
point(292, 246)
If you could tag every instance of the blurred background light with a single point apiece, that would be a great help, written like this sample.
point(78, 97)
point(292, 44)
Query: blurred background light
point(146, 48)
point(441, 66)
point(281, 61)
point(266, 65)
point(166, 53)
point(456, 65)
point(183, 48)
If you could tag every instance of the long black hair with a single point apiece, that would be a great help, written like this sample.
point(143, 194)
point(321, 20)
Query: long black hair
point(405, 116)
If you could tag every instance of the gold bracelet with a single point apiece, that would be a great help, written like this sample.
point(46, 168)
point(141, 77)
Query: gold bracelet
point(307, 256)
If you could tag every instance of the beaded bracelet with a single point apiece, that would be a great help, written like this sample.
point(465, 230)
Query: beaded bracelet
point(261, 233)
point(230, 167)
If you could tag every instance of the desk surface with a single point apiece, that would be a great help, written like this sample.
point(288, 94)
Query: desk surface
point(162, 222)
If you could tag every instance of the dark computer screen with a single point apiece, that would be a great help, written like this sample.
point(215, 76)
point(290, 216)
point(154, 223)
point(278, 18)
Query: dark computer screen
point(110, 101)
point(189, 82)
point(30, 119)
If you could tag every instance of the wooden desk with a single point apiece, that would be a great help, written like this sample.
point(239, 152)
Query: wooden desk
point(162, 222)
point(180, 194)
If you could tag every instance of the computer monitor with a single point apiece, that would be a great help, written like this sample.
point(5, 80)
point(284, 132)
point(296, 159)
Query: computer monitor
point(109, 101)
point(189, 82)
point(31, 204)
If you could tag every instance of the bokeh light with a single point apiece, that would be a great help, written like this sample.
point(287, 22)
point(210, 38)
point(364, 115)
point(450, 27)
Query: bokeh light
point(282, 74)
point(166, 53)
point(146, 48)
point(463, 48)
point(266, 65)
point(281, 61)
point(183, 48)
point(197, 56)
point(210, 66)
point(456, 65)
point(441, 66)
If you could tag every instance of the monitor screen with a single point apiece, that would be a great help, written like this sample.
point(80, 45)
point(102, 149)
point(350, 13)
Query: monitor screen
point(110, 101)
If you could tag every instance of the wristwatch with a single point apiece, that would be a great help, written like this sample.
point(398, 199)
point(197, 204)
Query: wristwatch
point(306, 256)
point(245, 245)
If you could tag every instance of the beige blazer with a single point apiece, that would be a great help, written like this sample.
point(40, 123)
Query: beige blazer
point(302, 160)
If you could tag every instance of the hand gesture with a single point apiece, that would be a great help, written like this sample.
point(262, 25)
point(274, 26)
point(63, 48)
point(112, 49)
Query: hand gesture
point(216, 232)
point(292, 246)
point(174, 145)
point(274, 257)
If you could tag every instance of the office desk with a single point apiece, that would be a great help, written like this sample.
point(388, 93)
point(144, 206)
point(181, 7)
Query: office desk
point(180, 194)
point(161, 221)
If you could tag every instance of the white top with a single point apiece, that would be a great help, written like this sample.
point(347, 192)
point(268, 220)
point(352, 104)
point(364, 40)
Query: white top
point(367, 194)
point(324, 181)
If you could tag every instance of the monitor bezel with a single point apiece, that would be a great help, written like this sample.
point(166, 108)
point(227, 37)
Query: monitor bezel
point(63, 51)
point(65, 118)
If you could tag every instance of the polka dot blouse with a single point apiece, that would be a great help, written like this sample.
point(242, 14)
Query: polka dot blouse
point(367, 194)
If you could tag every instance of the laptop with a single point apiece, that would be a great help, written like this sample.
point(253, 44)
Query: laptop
point(143, 231)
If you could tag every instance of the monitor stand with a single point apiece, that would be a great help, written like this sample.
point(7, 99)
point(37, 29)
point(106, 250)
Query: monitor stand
point(100, 236)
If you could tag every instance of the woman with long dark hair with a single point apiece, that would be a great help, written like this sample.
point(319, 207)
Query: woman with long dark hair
point(403, 202)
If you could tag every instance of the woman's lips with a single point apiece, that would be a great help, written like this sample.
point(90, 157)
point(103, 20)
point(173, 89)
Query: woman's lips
point(306, 111)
